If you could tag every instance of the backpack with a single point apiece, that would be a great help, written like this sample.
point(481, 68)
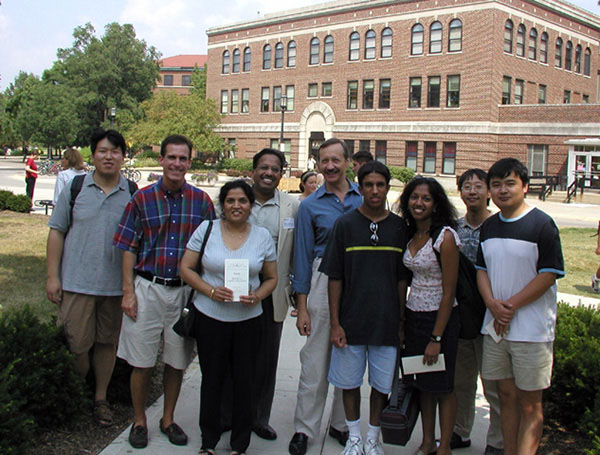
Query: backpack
point(471, 308)
point(77, 184)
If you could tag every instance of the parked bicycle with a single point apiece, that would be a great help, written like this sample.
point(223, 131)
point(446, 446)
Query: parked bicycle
point(48, 167)
point(131, 173)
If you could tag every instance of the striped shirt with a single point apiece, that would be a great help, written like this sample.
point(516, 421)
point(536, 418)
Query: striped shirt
point(157, 224)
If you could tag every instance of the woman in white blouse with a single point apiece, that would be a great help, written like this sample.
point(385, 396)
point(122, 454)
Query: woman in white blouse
point(72, 163)
point(432, 322)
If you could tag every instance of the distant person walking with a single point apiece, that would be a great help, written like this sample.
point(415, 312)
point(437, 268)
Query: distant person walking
point(72, 163)
point(31, 173)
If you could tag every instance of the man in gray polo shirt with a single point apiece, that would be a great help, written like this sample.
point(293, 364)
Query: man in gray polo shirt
point(84, 268)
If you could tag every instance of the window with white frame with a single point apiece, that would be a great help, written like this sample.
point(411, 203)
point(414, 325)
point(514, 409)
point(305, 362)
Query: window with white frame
point(568, 55)
point(354, 51)
point(449, 158)
point(328, 49)
point(235, 100)
point(247, 59)
point(521, 41)
point(245, 100)
point(313, 90)
point(429, 158)
point(411, 155)
point(225, 63)
point(532, 48)
point(453, 91)
point(267, 57)
point(414, 96)
point(455, 36)
point(385, 91)
point(368, 93)
point(519, 89)
point(544, 48)
point(277, 98)
point(235, 67)
point(326, 89)
point(370, 38)
point(508, 36)
point(352, 97)
point(264, 99)
point(279, 55)
point(416, 41)
point(433, 91)
point(558, 53)
point(386, 42)
point(435, 37)
point(224, 101)
point(314, 51)
point(291, 54)
point(537, 159)
point(506, 83)
point(289, 93)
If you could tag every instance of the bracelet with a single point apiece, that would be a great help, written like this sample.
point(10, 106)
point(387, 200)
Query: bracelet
point(435, 339)
point(212, 293)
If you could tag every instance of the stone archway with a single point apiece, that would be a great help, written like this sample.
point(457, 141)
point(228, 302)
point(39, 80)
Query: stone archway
point(317, 117)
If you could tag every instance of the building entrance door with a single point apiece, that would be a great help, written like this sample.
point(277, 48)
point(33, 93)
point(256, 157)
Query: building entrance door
point(316, 139)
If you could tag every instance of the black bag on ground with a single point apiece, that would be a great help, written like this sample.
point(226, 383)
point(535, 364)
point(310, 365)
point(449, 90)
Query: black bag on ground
point(399, 417)
point(185, 325)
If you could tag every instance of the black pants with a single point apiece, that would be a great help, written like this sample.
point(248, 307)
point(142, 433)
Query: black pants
point(226, 348)
point(29, 186)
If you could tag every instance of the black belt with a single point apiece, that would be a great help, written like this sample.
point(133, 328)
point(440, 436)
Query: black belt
point(174, 282)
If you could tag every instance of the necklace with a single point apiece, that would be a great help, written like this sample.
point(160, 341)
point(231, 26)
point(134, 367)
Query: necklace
point(241, 235)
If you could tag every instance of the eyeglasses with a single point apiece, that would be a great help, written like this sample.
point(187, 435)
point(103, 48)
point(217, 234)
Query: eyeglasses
point(374, 238)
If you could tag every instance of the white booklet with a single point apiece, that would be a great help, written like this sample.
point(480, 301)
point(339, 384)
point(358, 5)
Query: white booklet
point(492, 332)
point(237, 277)
point(414, 365)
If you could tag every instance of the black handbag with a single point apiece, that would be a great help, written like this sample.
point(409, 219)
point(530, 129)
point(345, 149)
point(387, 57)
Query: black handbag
point(399, 417)
point(186, 324)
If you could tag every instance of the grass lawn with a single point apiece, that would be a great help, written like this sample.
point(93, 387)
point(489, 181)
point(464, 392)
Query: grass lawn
point(23, 262)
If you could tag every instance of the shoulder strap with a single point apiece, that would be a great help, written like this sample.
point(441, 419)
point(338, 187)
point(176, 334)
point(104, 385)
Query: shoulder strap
point(434, 235)
point(206, 235)
point(76, 185)
point(132, 186)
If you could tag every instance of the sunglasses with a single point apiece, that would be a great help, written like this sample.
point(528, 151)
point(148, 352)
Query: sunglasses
point(374, 238)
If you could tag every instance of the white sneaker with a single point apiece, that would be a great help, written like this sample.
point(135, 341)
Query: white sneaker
point(373, 447)
point(595, 284)
point(353, 447)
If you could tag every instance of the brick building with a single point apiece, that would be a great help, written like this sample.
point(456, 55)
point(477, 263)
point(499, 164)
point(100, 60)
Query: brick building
point(434, 85)
point(176, 72)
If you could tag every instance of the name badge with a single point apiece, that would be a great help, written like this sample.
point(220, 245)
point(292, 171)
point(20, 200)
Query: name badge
point(288, 223)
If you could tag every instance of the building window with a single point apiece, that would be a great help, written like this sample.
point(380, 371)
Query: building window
point(267, 57)
point(354, 51)
point(435, 37)
point(313, 90)
point(568, 55)
point(577, 68)
point(224, 101)
point(544, 48)
point(247, 58)
point(352, 101)
point(508, 36)
point(414, 97)
point(416, 41)
point(285, 147)
point(386, 43)
point(168, 79)
point(231, 147)
point(381, 151)
point(537, 158)
point(558, 53)
point(519, 89)
point(314, 51)
point(449, 158)
point(429, 158)
point(586, 61)
point(368, 93)
point(567, 97)
point(541, 94)
point(277, 98)
point(433, 91)
point(235, 100)
point(532, 51)
point(364, 146)
point(186, 80)
point(289, 92)
point(453, 91)
point(506, 83)
point(235, 67)
point(328, 49)
point(350, 145)
point(326, 89)
point(225, 63)
point(385, 90)
point(411, 155)
point(585, 98)
point(291, 55)
point(455, 36)
point(264, 99)
point(521, 41)
point(245, 100)
point(279, 55)
point(370, 38)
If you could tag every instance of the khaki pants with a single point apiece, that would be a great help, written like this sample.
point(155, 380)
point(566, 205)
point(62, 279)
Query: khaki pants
point(314, 358)
point(468, 367)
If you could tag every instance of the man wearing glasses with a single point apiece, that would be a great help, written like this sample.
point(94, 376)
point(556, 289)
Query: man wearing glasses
point(367, 293)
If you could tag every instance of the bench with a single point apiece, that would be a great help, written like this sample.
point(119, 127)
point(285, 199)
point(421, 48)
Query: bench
point(44, 203)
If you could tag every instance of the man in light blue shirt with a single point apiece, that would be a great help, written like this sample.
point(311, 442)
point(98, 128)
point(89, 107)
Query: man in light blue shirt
point(316, 216)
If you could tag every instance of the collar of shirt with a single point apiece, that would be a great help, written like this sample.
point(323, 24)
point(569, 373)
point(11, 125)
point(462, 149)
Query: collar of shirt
point(171, 193)
point(88, 180)
point(322, 190)
point(273, 201)
point(462, 222)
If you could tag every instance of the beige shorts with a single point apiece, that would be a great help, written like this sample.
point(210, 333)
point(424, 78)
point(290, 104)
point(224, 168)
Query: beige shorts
point(159, 307)
point(90, 319)
point(529, 363)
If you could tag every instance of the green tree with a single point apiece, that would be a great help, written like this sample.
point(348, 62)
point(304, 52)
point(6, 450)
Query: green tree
point(13, 99)
point(199, 82)
point(116, 70)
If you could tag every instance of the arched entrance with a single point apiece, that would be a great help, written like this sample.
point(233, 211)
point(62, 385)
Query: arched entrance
point(316, 126)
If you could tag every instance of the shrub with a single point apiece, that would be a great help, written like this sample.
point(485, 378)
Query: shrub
point(40, 385)
point(18, 203)
point(147, 154)
point(145, 162)
point(403, 174)
point(574, 398)
point(86, 153)
point(16, 428)
point(4, 195)
point(198, 164)
point(237, 164)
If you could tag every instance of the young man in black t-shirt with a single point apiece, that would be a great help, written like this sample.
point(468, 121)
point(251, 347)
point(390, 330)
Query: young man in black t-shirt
point(367, 293)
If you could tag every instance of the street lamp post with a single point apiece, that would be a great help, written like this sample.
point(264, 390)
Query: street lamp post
point(283, 106)
point(113, 114)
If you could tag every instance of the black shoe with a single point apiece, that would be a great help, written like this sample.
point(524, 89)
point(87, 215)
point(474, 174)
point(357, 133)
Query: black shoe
point(265, 432)
point(298, 444)
point(456, 442)
point(341, 436)
point(176, 435)
point(138, 436)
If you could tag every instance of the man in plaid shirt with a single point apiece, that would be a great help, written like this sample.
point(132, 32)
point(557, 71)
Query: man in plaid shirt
point(154, 230)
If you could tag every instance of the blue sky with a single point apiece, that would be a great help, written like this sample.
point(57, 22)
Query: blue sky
point(32, 30)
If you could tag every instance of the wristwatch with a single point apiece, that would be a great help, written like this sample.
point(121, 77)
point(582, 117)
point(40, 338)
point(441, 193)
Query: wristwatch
point(435, 339)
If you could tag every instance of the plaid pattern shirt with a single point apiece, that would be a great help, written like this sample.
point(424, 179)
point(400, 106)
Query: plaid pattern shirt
point(158, 223)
